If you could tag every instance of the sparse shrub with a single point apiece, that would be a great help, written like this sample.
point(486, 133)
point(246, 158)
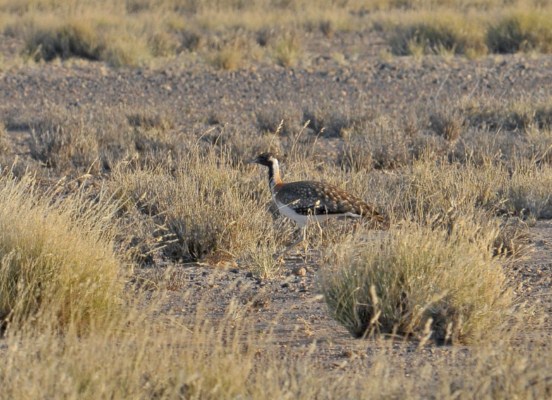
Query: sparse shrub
point(7, 156)
point(4, 140)
point(146, 119)
point(521, 31)
point(190, 40)
point(125, 50)
point(513, 238)
point(84, 38)
point(444, 191)
point(243, 146)
point(214, 211)
point(382, 144)
point(529, 190)
point(62, 140)
point(69, 40)
point(287, 50)
point(447, 123)
point(163, 44)
point(436, 34)
point(58, 268)
point(327, 28)
point(331, 121)
point(543, 116)
point(63, 146)
point(516, 116)
point(286, 119)
point(229, 58)
point(419, 281)
point(95, 140)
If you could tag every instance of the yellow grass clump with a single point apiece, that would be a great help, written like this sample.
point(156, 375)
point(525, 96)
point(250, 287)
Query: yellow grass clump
point(202, 209)
point(429, 283)
point(58, 267)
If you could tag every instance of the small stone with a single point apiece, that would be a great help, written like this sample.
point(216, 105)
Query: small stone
point(300, 271)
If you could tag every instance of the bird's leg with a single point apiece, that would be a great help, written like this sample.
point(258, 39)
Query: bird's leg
point(305, 241)
point(301, 234)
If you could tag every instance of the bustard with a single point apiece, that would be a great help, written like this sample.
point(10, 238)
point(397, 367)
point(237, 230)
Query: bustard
point(304, 200)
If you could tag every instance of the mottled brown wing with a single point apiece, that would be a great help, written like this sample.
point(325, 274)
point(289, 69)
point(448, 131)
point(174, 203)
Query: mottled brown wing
point(312, 198)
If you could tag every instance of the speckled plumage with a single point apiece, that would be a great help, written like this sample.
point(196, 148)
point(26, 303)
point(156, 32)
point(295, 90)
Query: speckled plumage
point(304, 199)
point(313, 198)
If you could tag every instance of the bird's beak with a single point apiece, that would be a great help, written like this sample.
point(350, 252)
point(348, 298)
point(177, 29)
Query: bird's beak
point(253, 161)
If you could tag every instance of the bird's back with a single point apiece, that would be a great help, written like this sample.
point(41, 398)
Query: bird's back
point(315, 198)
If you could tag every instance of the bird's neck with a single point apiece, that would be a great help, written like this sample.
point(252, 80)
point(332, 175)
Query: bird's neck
point(274, 178)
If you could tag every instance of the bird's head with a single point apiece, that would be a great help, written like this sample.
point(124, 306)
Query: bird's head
point(266, 159)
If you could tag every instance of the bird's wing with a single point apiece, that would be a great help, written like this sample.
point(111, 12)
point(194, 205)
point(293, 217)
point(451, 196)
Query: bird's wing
point(312, 198)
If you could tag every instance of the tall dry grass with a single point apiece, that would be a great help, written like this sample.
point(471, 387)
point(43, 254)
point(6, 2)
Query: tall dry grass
point(135, 33)
point(204, 208)
point(58, 266)
point(197, 357)
point(433, 284)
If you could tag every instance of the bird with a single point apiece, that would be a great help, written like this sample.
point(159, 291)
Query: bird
point(311, 200)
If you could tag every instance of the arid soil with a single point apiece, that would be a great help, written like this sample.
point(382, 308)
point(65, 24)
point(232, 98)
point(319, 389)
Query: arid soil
point(202, 98)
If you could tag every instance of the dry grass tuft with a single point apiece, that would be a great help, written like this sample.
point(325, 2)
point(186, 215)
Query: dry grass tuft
point(528, 190)
point(95, 140)
point(447, 123)
point(385, 144)
point(229, 58)
point(58, 268)
point(4, 141)
point(287, 50)
point(201, 208)
point(329, 120)
point(436, 33)
point(428, 283)
point(521, 30)
point(84, 38)
point(284, 119)
point(516, 116)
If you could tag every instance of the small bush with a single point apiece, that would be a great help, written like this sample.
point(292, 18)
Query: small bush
point(86, 39)
point(516, 116)
point(64, 41)
point(529, 191)
point(383, 144)
point(287, 50)
point(447, 123)
point(432, 34)
point(329, 120)
point(271, 117)
point(446, 191)
point(419, 281)
point(201, 208)
point(521, 31)
point(58, 267)
point(228, 58)
point(4, 140)
point(95, 140)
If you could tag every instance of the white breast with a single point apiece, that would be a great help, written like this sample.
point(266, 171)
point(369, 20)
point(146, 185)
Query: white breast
point(302, 220)
point(287, 211)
